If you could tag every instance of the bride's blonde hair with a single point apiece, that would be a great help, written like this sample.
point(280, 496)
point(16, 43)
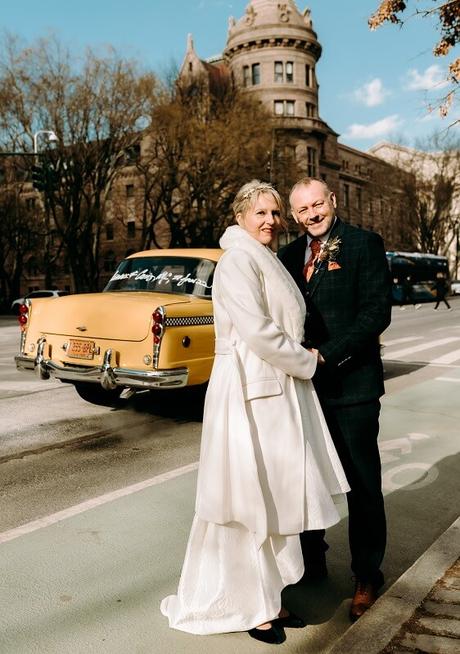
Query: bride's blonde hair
point(248, 194)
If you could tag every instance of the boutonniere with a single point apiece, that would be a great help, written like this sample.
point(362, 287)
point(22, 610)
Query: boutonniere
point(329, 252)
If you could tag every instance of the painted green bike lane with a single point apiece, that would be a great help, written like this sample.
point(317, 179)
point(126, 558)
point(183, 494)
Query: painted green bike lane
point(92, 583)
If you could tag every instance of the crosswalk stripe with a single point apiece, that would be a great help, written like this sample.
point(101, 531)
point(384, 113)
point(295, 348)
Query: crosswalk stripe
point(450, 357)
point(418, 348)
point(406, 339)
point(448, 379)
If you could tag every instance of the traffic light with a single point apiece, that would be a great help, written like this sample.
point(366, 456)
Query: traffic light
point(38, 177)
point(44, 177)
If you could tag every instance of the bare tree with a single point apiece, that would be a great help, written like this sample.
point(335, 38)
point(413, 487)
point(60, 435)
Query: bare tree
point(21, 230)
point(203, 144)
point(95, 107)
point(428, 189)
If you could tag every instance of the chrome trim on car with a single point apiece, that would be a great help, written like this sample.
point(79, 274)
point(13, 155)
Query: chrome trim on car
point(109, 377)
point(40, 361)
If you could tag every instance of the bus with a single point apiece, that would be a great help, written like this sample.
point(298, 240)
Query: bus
point(417, 271)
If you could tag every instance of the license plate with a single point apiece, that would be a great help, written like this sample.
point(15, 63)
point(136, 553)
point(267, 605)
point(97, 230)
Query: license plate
point(81, 349)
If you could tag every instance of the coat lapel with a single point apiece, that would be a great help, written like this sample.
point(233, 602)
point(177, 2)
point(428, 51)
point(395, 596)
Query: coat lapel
point(318, 275)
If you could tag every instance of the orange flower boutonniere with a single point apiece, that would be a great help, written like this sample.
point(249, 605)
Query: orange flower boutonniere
point(329, 252)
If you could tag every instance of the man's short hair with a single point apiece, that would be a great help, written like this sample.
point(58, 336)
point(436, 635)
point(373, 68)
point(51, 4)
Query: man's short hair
point(306, 181)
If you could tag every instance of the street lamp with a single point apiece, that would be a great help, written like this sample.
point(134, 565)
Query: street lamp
point(51, 136)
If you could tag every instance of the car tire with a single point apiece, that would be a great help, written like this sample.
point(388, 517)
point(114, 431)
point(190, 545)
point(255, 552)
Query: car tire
point(95, 394)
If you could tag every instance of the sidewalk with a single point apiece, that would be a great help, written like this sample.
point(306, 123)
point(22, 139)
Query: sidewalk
point(419, 613)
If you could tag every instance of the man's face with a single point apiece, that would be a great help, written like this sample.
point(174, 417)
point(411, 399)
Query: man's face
point(313, 208)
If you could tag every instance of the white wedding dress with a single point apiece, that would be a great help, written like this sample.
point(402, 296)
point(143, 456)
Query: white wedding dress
point(268, 467)
point(229, 584)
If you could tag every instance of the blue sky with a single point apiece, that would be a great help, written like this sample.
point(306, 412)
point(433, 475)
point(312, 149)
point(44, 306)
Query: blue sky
point(372, 84)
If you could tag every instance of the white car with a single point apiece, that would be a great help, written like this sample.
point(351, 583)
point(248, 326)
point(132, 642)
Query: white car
point(455, 287)
point(33, 294)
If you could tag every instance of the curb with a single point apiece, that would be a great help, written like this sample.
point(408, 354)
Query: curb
point(374, 630)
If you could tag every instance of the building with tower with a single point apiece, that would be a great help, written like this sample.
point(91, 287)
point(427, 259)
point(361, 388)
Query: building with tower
point(272, 52)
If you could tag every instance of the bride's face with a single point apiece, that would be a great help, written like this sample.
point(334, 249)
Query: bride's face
point(262, 220)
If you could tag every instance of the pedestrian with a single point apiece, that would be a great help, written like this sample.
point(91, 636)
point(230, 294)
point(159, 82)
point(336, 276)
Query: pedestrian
point(268, 468)
point(343, 274)
point(407, 293)
point(441, 291)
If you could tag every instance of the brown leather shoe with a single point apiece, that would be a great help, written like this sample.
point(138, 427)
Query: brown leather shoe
point(365, 595)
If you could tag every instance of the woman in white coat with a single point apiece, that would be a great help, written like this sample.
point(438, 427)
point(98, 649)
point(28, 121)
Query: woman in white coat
point(268, 467)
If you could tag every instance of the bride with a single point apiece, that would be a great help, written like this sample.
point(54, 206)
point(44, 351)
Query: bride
point(268, 467)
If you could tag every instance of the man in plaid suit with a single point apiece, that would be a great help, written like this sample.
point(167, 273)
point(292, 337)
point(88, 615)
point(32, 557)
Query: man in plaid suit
point(343, 274)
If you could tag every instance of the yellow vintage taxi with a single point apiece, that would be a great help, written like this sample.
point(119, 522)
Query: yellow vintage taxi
point(150, 328)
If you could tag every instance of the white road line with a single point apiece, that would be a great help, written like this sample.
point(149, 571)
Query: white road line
point(396, 341)
point(26, 386)
point(448, 379)
point(450, 357)
point(52, 519)
point(419, 348)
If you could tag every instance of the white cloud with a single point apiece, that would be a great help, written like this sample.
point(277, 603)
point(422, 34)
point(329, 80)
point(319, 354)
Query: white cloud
point(432, 78)
point(371, 94)
point(373, 130)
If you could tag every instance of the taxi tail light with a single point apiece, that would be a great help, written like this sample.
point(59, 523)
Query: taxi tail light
point(23, 316)
point(158, 318)
point(158, 327)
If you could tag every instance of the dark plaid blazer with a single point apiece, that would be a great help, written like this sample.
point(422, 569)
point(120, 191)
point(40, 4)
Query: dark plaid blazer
point(347, 309)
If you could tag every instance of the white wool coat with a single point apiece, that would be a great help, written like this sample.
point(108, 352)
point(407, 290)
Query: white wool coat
point(267, 460)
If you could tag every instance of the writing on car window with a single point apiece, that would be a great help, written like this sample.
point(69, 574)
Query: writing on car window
point(183, 275)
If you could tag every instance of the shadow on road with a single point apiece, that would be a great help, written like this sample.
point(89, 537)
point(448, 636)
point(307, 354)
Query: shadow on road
point(393, 369)
point(181, 404)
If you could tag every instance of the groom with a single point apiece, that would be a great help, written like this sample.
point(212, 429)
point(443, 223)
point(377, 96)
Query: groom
point(343, 274)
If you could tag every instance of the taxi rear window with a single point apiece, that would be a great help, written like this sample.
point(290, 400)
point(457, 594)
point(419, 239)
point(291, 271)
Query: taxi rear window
point(178, 275)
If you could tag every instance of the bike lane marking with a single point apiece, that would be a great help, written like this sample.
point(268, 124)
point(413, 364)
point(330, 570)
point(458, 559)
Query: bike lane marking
point(71, 511)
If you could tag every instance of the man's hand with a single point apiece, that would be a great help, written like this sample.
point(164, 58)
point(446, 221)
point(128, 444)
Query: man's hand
point(313, 350)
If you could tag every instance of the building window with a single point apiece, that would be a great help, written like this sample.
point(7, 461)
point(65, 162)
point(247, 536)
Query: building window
point(109, 232)
point(131, 229)
point(279, 72)
point(359, 199)
point(284, 71)
point(308, 75)
point(130, 190)
point(310, 109)
point(246, 76)
point(284, 107)
point(346, 195)
point(30, 204)
point(311, 162)
point(255, 73)
point(279, 108)
point(190, 66)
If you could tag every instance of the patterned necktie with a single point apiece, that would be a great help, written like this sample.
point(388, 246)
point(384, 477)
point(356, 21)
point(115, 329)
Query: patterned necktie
point(315, 247)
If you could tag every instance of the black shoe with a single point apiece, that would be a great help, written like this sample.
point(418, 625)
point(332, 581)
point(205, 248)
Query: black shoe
point(273, 636)
point(291, 621)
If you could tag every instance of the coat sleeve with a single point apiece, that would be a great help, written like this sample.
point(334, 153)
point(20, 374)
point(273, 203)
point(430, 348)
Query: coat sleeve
point(373, 301)
point(240, 291)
